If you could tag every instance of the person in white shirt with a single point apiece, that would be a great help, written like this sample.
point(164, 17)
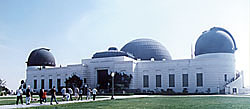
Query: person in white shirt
point(19, 96)
point(88, 94)
point(67, 96)
point(63, 93)
point(76, 93)
point(70, 93)
point(94, 91)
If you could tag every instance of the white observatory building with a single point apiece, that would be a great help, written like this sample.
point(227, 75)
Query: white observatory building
point(212, 70)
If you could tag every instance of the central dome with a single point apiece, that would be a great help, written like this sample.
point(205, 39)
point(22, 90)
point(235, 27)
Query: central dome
point(145, 49)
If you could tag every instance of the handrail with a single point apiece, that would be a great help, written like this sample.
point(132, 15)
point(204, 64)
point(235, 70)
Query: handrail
point(233, 79)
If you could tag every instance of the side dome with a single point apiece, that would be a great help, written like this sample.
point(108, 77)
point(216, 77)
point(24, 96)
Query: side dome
point(145, 49)
point(41, 57)
point(216, 40)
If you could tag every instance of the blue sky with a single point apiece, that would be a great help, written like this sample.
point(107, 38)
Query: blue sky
point(74, 30)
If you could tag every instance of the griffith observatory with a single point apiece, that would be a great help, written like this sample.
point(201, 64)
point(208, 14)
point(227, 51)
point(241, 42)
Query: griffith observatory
point(211, 70)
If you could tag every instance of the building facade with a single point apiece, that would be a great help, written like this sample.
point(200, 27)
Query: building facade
point(212, 70)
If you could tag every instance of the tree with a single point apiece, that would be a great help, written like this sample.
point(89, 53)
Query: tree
point(122, 80)
point(73, 81)
point(2, 82)
point(3, 87)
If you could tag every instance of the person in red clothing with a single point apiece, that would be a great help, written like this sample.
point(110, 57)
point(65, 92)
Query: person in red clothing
point(44, 96)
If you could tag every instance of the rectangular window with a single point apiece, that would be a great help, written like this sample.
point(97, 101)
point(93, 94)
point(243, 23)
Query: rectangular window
point(50, 83)
point(85, 80)
point(225, 77)
point(145, 81)
point(171, 80)
point(35, 84)
point(199, 79)
point(158, 80)
point(42, 83)
point(184, 80)
point(58, 84)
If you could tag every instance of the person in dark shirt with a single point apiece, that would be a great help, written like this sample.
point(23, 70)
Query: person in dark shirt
point(41, 95)
point(85, 90)
point(80, 94)
point(28, 95)
point(53, 95)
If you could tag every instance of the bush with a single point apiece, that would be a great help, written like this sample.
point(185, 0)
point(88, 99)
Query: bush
point(185, 91)
point(170, 91)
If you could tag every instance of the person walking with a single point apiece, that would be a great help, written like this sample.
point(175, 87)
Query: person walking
point(31, 95)
point(67, 96)
point(76, 93)
point(19, 96)
point(80, 94)
point(41, 96)
point(63, 94)
point(70, 93)
point(85, 90)
point(53, 95)
point(88, 94)
point(44, 96)
point(94, 91)
point(28, 95)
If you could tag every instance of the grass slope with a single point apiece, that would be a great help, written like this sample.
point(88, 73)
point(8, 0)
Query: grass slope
point(164, 103)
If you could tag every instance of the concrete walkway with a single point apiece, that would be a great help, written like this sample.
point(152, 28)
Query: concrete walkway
point(116, 97)
point(66, 102)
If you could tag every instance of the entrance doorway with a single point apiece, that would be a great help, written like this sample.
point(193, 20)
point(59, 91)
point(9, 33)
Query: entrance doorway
point(102, 79)
point(234, 90)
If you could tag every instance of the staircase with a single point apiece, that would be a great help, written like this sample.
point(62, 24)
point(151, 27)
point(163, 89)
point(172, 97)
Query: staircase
point(233, 79)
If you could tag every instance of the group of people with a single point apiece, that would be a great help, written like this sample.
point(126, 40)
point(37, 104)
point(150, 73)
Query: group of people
point(43, 96)
point(66, 92)
point(20, 95)
point(28, 93)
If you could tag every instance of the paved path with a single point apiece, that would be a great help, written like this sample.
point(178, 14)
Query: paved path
point(116, 97)
point(66, 102)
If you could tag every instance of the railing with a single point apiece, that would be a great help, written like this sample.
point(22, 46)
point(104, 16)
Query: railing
point(233, 79)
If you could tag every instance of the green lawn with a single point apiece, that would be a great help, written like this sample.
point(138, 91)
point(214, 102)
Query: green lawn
point(211, 102)
point(8, 102)
point(12, 100)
